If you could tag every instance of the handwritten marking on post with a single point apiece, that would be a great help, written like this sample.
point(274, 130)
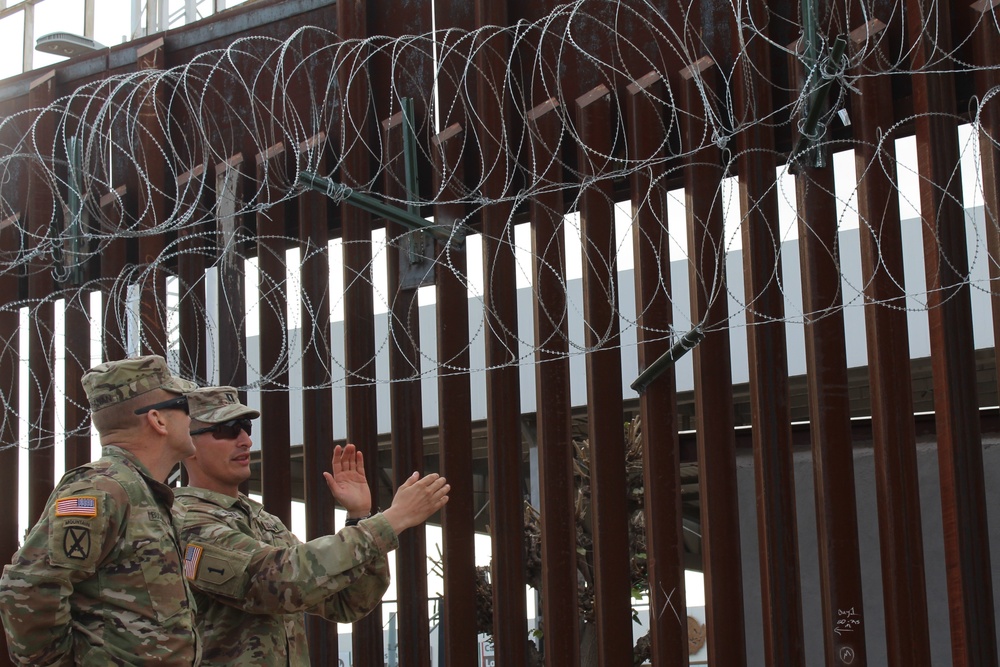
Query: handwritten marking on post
point(668, 603)
point(847, 621)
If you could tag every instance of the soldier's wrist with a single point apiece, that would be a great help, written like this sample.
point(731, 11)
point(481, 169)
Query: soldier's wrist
point(355, 520)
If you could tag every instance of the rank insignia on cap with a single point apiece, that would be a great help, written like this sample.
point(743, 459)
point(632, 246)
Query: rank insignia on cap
point(77, 506)
point(191, 557)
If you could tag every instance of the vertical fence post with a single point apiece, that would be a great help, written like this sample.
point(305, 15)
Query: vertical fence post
point(230, 241)
point(151, 182)
point(274, 345)
point(713, 382)
point(113, 291)
point(605, 411)
point(647, 138)
point(407, 417)
point(503, 409)
point(956, 410)
point(986, 54)
point(10, 379)
point(459, 646)
point(41, 340)
point(893, 431)
point(777, 532)
point(359, 307)
point(317, 398)
point(77, 408)
point(829, 409)
point(191, 316)
point(560, 593)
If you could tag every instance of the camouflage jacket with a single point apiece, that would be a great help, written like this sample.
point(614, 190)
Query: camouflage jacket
point(253, 578)
point(98, 580)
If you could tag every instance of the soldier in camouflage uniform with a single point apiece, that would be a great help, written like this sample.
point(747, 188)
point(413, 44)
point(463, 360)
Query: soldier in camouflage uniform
point(98, 580)
point(252, 577)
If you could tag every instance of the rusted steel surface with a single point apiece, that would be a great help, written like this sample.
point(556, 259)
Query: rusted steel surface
point(829, 404)
point(10, 371)
point(900, 533)
point(191, 264)
point(275, 422)
point(777, 539)
point(112, 263)
point(959, 442)
point(552, 388)
point(612, 606)
point(317, 399)
point(647, 138)
point(713, 383)
point(359, 308)
point(230, 242)
point(407, 420)
point(76, 330)
point(151, 204)
point(829, 410)
point(41, 320)
point(986, 52)
point(503, 422)
point(10, 368)
point(77, 408)
point(455, 420)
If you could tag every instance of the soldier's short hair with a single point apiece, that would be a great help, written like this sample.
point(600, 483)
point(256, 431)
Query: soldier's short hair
point(117, 381)
point(215, 405)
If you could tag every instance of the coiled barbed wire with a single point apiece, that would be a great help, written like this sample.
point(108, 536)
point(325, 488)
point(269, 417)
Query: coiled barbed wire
point(162, 133)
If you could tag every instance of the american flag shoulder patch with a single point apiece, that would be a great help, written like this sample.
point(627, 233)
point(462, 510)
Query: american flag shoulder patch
point(192, 556)
point(76, 506)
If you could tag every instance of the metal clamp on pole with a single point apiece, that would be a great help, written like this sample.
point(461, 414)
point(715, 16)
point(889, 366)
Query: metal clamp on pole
point(804, 143)
point(686, 342)
point(340, 192)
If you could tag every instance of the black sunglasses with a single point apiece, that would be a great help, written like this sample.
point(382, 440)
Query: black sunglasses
point(179, 403)
point(229, 430)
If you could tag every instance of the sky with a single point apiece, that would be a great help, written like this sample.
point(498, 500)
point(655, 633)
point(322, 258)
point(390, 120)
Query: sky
point(112, 26)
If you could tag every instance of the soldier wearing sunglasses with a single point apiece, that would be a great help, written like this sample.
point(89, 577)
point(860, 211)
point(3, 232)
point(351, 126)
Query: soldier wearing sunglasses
point(98, 580)
point(252, 577)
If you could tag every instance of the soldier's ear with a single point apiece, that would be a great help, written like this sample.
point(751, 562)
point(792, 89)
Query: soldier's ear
point(156, 421)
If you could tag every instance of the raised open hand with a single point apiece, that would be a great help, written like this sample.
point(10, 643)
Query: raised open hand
point(348, 483)
point(416, 500)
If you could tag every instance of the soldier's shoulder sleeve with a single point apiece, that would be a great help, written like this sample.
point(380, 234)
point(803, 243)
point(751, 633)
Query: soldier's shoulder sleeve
point(217, 553)
point(75, 532)
point(84, 518)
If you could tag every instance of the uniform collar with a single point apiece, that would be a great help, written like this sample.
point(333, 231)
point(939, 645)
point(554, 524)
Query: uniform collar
point(158, 488)
point(115, 451)
point(225, 501)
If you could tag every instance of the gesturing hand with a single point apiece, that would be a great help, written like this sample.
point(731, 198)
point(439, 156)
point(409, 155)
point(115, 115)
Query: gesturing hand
point(417, 499)
point(348, 483)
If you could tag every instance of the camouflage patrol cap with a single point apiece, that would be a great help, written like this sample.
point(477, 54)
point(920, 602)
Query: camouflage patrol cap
point(214, 405)
point(116, 381)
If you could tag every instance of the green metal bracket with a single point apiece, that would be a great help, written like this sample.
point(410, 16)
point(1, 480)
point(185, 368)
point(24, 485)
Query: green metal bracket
point(417, 242)
point(686, 342)
point(817, 97)
point(340, 192)
point(68, 247)
point(416, 252)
